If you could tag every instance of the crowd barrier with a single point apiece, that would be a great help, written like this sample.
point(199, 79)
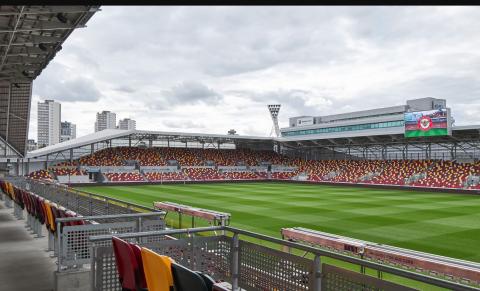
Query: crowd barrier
point(255, 266)
point(72, 240)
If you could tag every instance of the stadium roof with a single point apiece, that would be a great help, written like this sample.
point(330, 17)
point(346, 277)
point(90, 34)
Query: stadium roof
point(469, 133)
point(359, 138)
point(110, 134)
point(30, 36)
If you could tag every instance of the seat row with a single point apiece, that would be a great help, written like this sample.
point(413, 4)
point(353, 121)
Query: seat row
point(141, 269)
point(40, 211)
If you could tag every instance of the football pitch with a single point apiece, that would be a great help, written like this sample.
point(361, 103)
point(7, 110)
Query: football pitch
point(440, 223)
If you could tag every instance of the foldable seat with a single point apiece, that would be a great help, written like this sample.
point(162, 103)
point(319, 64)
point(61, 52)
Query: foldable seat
point(128, 266)
point(187, 280)
point(55, 215)
point(40, 210)
point(137, 251)
point(48, 215)
point(158, 270)
point(209, 282)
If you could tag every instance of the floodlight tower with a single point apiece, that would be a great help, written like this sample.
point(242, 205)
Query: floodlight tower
point(274, 109)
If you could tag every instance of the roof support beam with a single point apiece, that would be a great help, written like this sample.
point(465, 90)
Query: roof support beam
point(17, 22)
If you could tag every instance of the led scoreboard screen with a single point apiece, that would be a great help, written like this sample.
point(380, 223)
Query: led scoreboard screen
point(426, 123)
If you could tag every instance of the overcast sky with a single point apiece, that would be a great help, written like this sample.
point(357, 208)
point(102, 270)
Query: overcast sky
point(210, 69)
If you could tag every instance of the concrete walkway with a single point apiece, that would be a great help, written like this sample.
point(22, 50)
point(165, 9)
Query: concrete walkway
point(25, 264)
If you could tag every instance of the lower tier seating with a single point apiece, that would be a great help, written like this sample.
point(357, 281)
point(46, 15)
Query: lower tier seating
point(124, 177)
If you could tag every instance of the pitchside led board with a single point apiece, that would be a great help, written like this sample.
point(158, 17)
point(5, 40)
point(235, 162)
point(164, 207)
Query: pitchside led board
point(427, 123)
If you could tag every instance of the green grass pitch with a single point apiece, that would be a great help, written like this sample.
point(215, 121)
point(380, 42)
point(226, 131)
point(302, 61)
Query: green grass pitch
point(440, 223)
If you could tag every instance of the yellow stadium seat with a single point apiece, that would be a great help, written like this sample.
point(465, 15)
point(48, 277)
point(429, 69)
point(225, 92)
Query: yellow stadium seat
point(158, 271)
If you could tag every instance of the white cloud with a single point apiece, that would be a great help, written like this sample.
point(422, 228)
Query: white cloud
point(210, 69)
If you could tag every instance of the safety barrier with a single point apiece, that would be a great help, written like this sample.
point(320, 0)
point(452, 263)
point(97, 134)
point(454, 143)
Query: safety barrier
point(81, 202)
point(254, 266)
point(72, 240)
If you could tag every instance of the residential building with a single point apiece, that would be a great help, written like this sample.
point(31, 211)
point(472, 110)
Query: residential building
point(48, 126)
point(127, 124)
point(68, 131)
point(105, 120)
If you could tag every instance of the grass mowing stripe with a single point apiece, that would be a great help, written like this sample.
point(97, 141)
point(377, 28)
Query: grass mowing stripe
point(446, 224)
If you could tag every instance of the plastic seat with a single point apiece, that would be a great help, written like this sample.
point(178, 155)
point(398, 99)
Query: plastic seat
point(187, 280)
point(158, 270)
point(209, 282)
point(127, 266)
point(48, 214)
point(137, 251)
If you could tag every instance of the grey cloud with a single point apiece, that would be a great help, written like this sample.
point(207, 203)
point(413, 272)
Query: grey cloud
point(65, 88)
point(182, 124)
point(296, 101)
point(235, 47)
point(191, 92)
point(125, 89)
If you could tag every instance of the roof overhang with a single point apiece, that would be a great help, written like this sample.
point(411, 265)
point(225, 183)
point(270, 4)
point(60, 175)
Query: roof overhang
point(118, 134)
point(30, 36)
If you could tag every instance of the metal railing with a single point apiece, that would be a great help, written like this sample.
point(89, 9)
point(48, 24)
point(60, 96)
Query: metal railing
point(72, 241)
point(254, 266)
point(81, 202)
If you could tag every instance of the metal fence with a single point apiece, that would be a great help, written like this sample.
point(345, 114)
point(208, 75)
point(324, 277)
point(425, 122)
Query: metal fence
point(83, 203)
point(258, 265)
point(72, 241)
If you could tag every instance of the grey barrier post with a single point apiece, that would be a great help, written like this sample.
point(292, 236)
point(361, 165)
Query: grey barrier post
point(8, 202)
point(235, 262)
point(78, 202)
point(50, 241)
point(59, 248)
point(39, 229)
point(20, 212)
point(90, 203)
point(192, 249)
point(317, 273)
point(28, 221)
point(92, 266)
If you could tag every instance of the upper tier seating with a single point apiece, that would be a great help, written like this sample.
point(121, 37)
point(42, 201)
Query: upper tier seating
point(105, 157)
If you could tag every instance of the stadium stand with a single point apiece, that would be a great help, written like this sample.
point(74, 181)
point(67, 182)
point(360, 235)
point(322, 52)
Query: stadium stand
point(41, 175)
point(228, 164)
point(106, 157)
point(125, 177)
point(446, 174)
point(241, 176)
point(397, 171)
point(164, 176)
point(203, 174)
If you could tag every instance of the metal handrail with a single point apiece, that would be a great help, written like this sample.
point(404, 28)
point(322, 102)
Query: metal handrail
point(317, 252)
point(102, 197)
point(128, 215)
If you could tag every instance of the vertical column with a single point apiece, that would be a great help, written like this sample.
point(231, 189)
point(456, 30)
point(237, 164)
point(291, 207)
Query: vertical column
point(317, 273)
point(235, 262)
